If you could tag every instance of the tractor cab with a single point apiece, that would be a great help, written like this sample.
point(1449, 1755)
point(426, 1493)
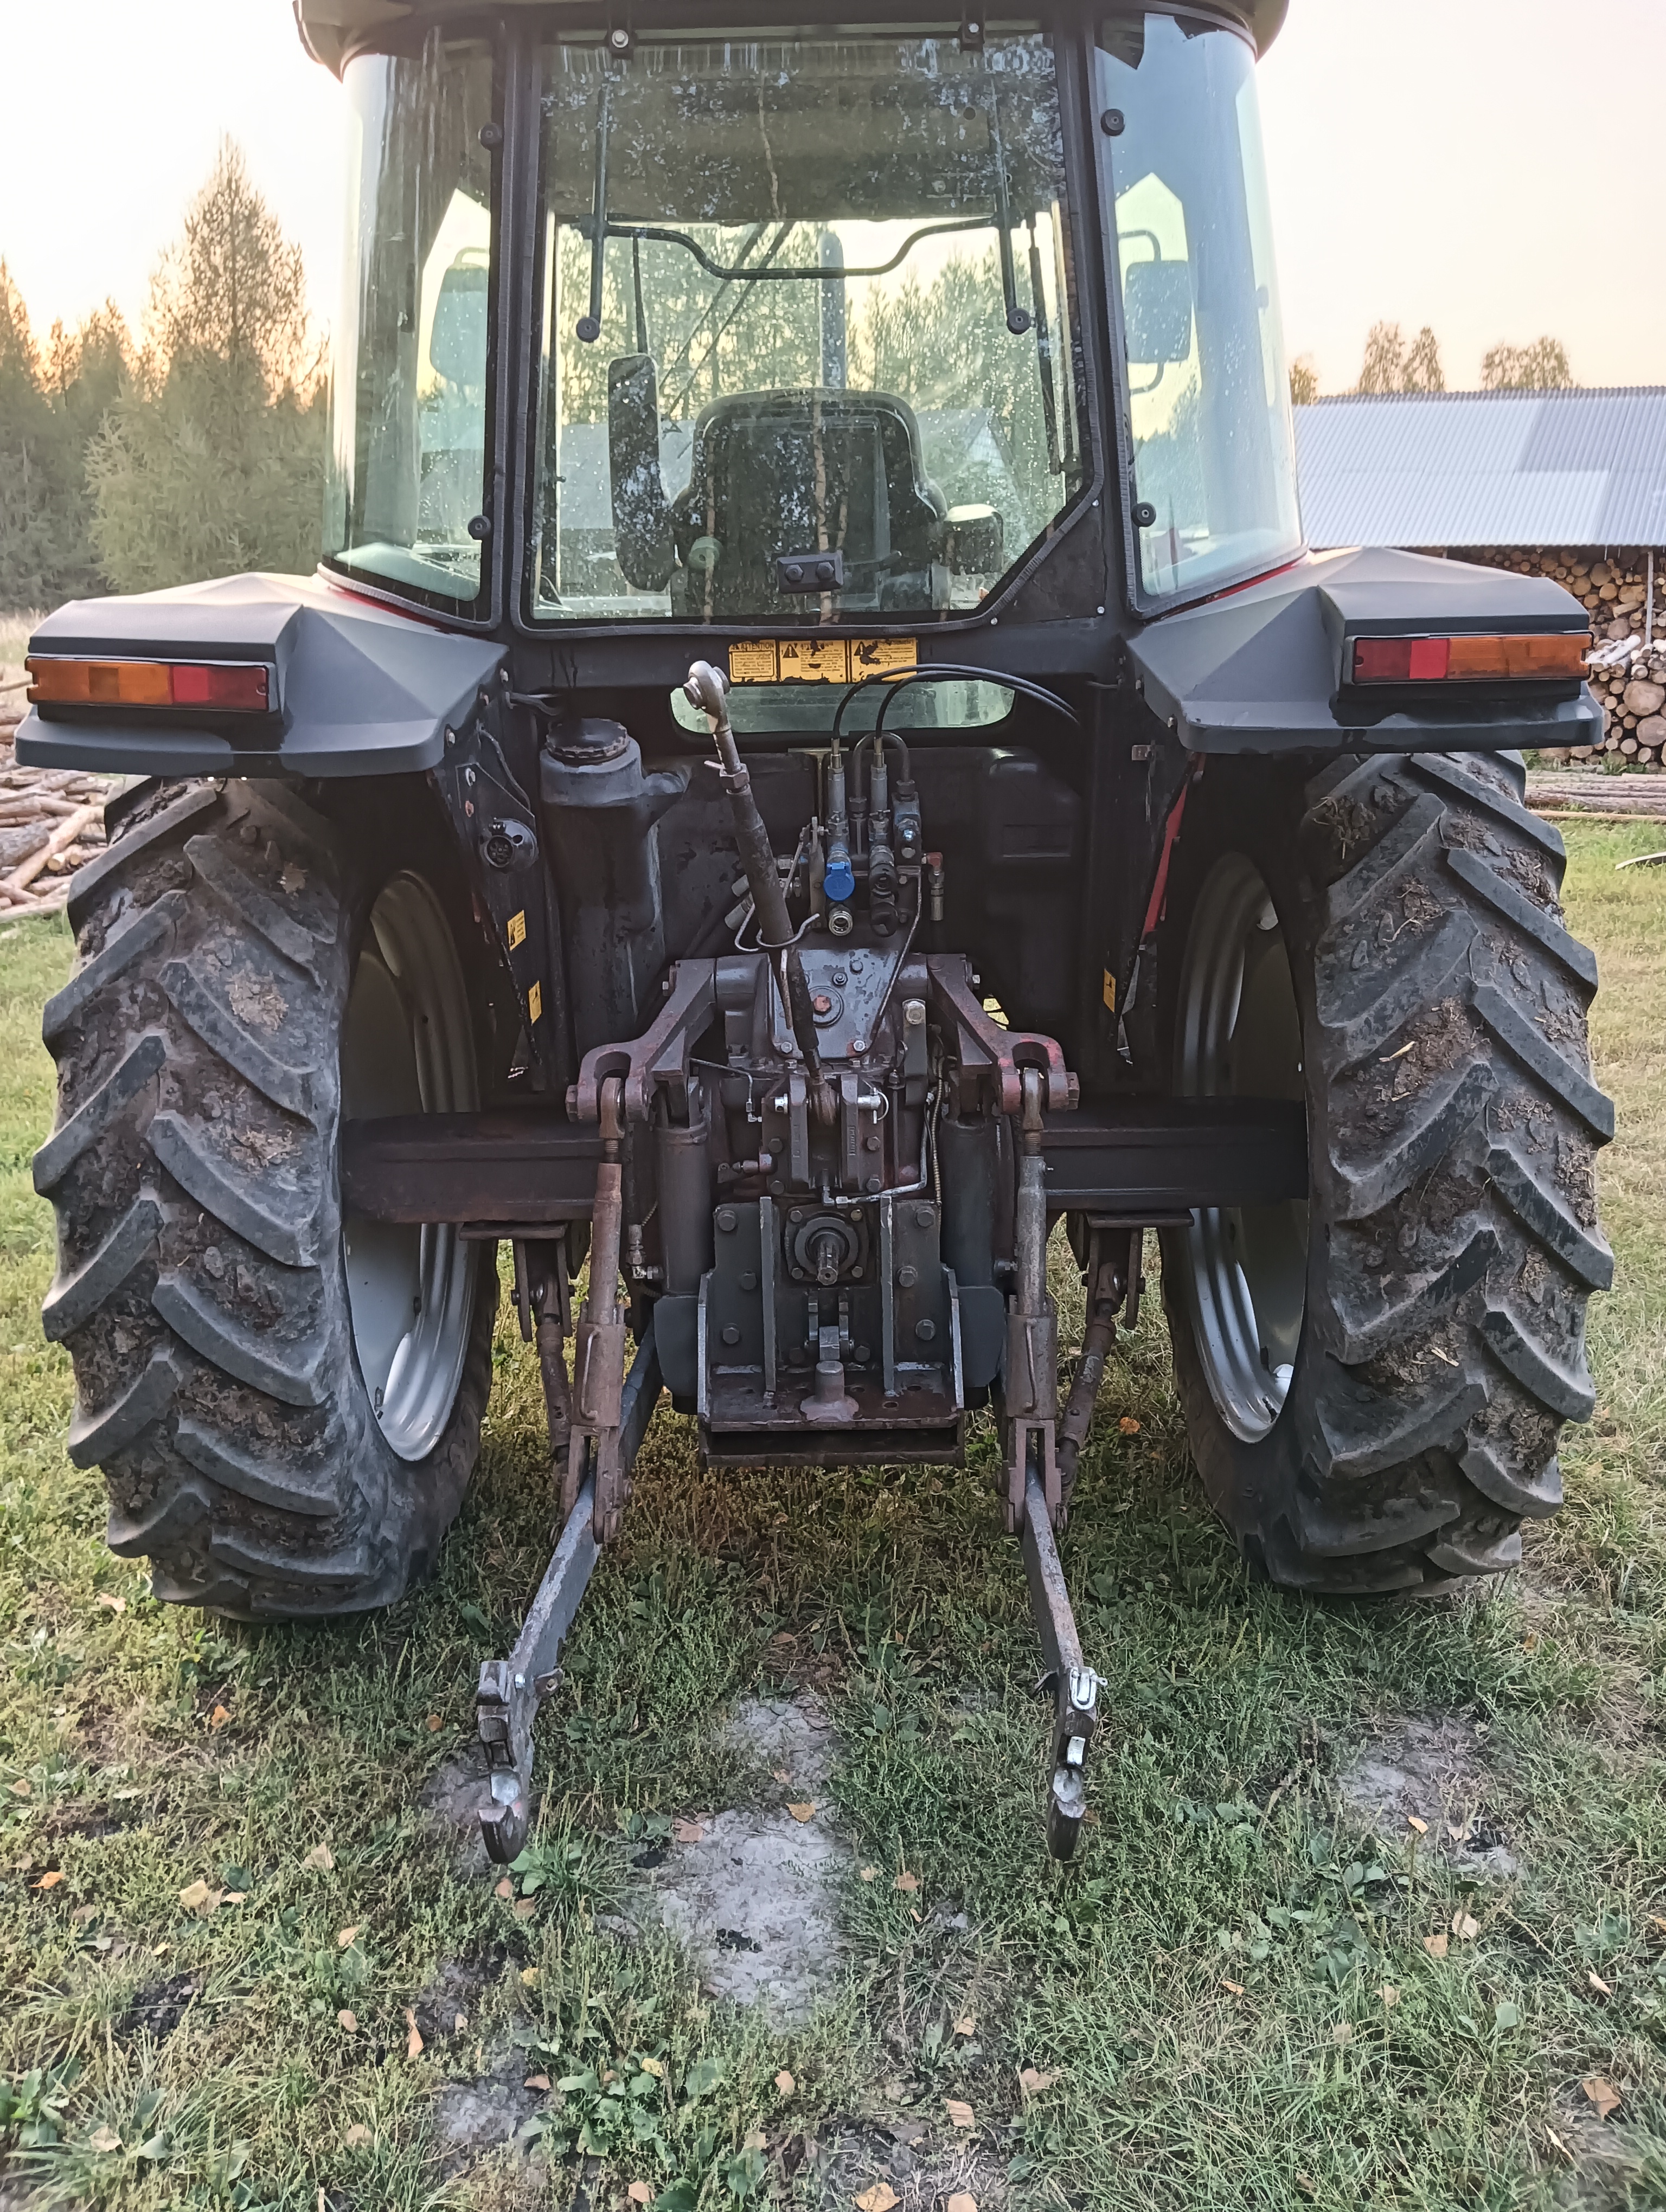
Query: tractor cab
point(801, 328)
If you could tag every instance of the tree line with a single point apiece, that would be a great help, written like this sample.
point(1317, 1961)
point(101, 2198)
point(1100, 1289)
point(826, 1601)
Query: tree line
point(193, 450)
point(1394, 362)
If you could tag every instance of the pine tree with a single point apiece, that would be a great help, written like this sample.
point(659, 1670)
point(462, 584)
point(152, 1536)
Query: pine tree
point(210, 460)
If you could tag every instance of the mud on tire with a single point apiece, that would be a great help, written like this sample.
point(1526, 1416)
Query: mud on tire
point(200, 1285)
point(1452, 1236)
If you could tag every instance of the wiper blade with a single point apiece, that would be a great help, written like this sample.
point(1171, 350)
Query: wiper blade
point(590, 325)
point(1017, 321)
point(1044, 358)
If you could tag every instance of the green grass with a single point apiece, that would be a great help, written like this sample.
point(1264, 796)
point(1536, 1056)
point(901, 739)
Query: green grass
point(1221, 1851)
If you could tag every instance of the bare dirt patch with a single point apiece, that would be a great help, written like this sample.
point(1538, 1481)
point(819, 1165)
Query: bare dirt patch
point(752, 1894)
point(1434, 1771)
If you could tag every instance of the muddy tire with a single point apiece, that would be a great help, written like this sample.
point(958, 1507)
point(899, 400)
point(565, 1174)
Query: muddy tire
point(203, 1285)
point(1374, 1381)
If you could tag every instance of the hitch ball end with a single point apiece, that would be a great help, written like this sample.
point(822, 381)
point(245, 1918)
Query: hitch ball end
point(707, 688)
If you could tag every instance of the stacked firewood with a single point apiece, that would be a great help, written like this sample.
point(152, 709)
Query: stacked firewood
point(1627, 665)
point(52, 820)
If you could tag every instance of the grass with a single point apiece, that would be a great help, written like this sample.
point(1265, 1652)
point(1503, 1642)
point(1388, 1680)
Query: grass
point(159, 2056)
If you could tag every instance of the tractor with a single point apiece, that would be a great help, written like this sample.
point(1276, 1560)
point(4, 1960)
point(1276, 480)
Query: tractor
point(816, 757)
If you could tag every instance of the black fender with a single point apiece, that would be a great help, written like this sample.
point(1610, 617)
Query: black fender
point(355, 691)
point(1264, 669)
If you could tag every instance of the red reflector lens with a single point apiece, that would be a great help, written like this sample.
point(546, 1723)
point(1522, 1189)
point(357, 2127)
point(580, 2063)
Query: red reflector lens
point(241, 685)
point(237, 687)
point(1558, 656)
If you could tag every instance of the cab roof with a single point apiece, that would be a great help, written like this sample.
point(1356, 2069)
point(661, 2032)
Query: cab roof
point(333, 31)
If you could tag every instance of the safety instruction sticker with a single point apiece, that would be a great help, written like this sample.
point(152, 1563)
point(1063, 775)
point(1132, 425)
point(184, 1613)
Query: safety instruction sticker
point(880, 656)
point(535, 1003)
point(516, 932)
point(754, 662)
point(819, 660)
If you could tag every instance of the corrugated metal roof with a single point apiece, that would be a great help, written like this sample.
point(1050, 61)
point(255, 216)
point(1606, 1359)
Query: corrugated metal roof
point(1485, 468)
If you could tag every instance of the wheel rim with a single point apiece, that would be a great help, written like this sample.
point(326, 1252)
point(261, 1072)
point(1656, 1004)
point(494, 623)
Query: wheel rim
point(408, 1047)
point(1240, 1035)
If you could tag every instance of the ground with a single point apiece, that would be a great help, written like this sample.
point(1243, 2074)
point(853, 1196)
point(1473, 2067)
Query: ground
point(253, 1960)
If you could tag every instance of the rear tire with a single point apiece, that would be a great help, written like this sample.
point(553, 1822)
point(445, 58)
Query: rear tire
point(202, 1280)
point(1436, 1345)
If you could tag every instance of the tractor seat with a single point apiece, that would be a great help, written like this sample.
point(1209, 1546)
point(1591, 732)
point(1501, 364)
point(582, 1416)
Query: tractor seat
point(769, 470)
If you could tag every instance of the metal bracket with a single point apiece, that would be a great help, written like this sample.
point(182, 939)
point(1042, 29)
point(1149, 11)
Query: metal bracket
point(512, 1689)
point(988, 1053)
point(660, 1055)
point(1075, 1685)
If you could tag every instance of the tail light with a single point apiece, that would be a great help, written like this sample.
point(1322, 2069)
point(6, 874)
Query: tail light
point(233, 687)
point(1558, 656)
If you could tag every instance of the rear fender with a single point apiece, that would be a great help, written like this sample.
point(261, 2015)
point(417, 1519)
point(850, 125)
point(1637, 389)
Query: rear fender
point(357, 690)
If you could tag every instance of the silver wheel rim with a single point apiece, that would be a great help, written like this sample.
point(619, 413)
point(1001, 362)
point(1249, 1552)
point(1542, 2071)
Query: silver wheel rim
point(1240, 1035)
point(408, 1047)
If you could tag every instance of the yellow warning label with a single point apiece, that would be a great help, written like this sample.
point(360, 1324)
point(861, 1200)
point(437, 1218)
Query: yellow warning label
point(516, 932)
point(753, 662)
point(819, 660)
point(814, 660)
point(879, 656)
point(535, 1003)
point(1110, 991)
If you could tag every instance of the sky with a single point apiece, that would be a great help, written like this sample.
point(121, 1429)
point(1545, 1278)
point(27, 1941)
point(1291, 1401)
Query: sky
point(1488, 166)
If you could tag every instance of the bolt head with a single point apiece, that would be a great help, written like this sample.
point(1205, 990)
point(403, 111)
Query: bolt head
point(731, 1334)
point(925, 1329)
point(725, 1218)
point(923, 1216)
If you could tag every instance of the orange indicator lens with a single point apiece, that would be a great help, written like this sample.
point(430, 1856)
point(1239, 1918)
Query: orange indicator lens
point(235, 686)
point(1560, 656)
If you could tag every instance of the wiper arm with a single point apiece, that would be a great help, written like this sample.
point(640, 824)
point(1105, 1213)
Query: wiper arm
point(1045, 357)
point(590, 325)
point(1017, 321)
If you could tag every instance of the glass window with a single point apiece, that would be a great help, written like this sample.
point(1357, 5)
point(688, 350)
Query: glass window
point(1214, 458)
point(409, 369)
point(807, 305)
point(807, 709)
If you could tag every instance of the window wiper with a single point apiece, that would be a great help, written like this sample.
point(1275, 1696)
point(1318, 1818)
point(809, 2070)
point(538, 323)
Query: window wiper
point(1045, 357)
point(1017, 321)
point(589, 327)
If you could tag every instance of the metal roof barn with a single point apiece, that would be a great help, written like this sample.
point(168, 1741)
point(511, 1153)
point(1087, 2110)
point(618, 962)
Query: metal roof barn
point(1485, 468)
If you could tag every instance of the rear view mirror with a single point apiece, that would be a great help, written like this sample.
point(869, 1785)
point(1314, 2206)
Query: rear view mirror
point(457, 342)
point(643, 541)
point(973, 540)
point(1157, 312)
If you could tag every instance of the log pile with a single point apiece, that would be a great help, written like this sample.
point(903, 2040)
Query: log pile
point(1628, 665)
point(52, 820)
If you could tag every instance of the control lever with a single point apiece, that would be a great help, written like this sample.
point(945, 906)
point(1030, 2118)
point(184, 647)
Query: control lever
point(707, 690)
